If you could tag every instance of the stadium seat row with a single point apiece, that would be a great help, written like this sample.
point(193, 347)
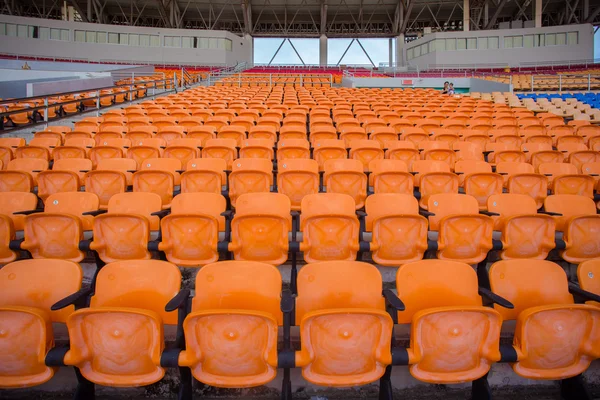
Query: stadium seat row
point(227, 333)
point(198, 229)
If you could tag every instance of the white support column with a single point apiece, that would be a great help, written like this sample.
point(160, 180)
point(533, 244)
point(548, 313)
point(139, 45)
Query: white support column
point(466, 16)
point(400, 50)
point(538, 13)
point(391, 52)
point(249, 41)
point(323, 50)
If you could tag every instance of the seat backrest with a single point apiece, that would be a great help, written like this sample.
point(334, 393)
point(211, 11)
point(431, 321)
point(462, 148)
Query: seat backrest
point(141, 203)
point(435, 283)
point(342, 165)
point(511, 168)
point(338, 284)
point(117, 164)
point(27, 164)
point(379, 166)
point(239, 285)
point(253, 164)
point(445, 204)
point(143, 284)
point(163, 164)
point(384, 204)
point(299, 164)
point(40, 284)
point(588, 275)
point(72, 164)
point(528, 283)
point(71, 203)
point(557, 169)
point(471, 166)
point(327, 204)
point(510, 204)
point(274, 204)
point(425, 166)
point(150, 142)
point(230, 143)
point(569, 205)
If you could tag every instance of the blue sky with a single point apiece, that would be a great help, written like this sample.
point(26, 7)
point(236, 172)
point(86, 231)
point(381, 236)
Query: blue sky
point(597, 44)
point(264, 49)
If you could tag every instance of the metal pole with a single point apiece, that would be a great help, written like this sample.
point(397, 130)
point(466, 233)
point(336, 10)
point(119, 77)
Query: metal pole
point(589, 82)
point(239, 80)
point(532, 83)
point(46, 111)
point(330, 80)
point(270, 80)
point(300, 80)
point(560, 83)
point(510, 83)
point(97, 103)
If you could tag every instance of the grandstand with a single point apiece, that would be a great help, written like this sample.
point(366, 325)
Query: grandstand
point(179, 219)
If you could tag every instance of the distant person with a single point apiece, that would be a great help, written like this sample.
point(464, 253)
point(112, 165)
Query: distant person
point(445, 90)
point(451, 89)
point(25, 66)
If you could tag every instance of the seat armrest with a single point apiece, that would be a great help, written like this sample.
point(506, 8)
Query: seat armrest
point(494, 298)
point(77, 299)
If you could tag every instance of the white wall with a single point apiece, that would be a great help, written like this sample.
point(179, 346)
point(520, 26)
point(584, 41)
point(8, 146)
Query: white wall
point(241, 48)
point(512, 57)
point(30, 75)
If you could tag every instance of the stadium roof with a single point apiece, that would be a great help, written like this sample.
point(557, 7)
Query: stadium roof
point(312, 18)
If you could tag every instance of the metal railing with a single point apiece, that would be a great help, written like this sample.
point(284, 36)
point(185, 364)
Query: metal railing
point(269, 79)
point(548, 83)
point(151, 87)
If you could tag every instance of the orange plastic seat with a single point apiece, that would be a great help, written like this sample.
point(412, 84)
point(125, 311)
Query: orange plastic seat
point(366, 151)
point(28, 289)
point(204, 175)
point(525, 233)
point(190, 233)
point(432, 177)
point(347, 177)
point(520, 179)
point(349, 134)
point(554, 338)
point(403, 151)
point(390, 176)
point(383, 134)
point(329, 149)
point(270, 132)
point(234, 315)
point(463, 234)
point(160, 176)
point(578, 158)
point(330, 227)
point(128, 302)
point(66, 176)
point(204, 133)
point(168, 134)
point(339, 309)
point(221, 148)
point(257, 148)
point(11, 202)
point(580, 226)
point(453, 338)
point(124, 232)
point(292, 148)
point(588, 275)
point(297, 178)
point(29, 167)
point(237, 133)
point(184, 149)
point(56, 232)
point(468, 151)
point(250, 175)
point(564, 179)
point(399, 233)
point(259, 229)
point(478, 180)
